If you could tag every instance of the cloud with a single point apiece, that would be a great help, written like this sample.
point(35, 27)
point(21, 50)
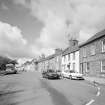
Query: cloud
point(12, 42)
point(64, 19)
point(23, 2)
point(4, 7)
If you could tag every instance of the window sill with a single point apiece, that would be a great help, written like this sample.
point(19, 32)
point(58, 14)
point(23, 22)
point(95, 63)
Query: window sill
point(102, 72)
point(87, 72)
point(92, 54)
point(103, 52)
point(85, 57)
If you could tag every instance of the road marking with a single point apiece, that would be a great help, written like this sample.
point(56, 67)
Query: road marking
point(99, 88)
point(98, 93)
point(90, 102)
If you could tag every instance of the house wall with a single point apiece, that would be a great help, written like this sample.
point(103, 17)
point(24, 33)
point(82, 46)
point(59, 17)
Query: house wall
point(52, 63)
point(71, 61)
point(41, 66)
point(58, 62)
point(94, 61)
point(55, 63)
point(64, 62)
point(29, 66)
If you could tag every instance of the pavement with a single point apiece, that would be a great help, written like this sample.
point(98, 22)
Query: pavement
point(95, 80)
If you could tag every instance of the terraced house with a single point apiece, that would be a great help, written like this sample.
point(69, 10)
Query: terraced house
point(70, 56)
point(92, 55)
point(51, 62)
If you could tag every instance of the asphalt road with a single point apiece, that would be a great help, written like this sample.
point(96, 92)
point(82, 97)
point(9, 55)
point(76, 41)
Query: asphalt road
point(30, 88)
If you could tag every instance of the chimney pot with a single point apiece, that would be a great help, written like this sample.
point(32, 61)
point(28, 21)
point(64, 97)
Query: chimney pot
point(73, 42)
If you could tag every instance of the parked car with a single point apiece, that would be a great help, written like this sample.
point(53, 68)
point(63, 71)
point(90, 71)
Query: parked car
point(71, 74)
point(10, 69)
point(50, 74)
point(59, 72)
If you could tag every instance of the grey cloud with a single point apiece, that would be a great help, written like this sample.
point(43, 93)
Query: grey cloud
point(86, 17)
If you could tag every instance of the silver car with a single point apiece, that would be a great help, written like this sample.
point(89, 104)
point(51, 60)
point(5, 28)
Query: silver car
point(71, 74)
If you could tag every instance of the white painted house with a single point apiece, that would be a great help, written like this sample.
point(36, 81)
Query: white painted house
point(70, 57)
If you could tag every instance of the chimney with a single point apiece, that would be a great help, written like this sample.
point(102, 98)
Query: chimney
point(58, 50)
point(73, 42)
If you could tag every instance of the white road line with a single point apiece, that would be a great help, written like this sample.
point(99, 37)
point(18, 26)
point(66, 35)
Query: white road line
point(90, 102)
point(98, 93)
point(98, 88)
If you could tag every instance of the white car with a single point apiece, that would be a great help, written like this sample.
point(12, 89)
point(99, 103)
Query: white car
point(72, 75)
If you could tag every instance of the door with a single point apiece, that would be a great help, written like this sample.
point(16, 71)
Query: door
point(81, 68)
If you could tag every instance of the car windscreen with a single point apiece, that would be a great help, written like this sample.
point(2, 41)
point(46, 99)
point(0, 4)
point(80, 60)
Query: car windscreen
point(51, 71)
point(72, 71)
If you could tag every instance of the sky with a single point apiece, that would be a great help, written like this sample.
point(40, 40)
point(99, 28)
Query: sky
point(29, 28)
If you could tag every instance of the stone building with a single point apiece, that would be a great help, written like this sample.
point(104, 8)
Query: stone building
point(92, 55)
point(51, 62)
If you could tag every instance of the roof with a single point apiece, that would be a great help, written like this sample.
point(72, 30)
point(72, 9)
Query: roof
point(95, 37)
point(50, 57)
point(70, 50)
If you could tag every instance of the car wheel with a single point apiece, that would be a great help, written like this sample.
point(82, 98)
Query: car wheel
point(70, 77)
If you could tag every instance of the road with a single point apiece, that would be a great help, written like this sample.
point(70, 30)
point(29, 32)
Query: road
point(29, 88)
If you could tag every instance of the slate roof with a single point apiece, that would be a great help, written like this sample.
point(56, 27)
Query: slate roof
point(70, 50)
point(93, 38)
point(49, 57)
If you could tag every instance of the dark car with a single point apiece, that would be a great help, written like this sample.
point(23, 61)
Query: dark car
point(59, 73)
point(50, 74)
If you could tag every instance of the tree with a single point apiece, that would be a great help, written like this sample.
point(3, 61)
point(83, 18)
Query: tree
point(4, 61)
point(3, 67)
point(13, 62)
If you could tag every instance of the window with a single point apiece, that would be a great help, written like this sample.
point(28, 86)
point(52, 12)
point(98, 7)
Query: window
point(68, 66)
point(64, 67)
point(92, 49)
point(103, 45)
point(57, 59)
point(84, 52)
point(64, 58)
point(87, 66)
point(74, 43)
point(103, 66)
point(74, 66)
point(74, 56)
point(68, 57)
